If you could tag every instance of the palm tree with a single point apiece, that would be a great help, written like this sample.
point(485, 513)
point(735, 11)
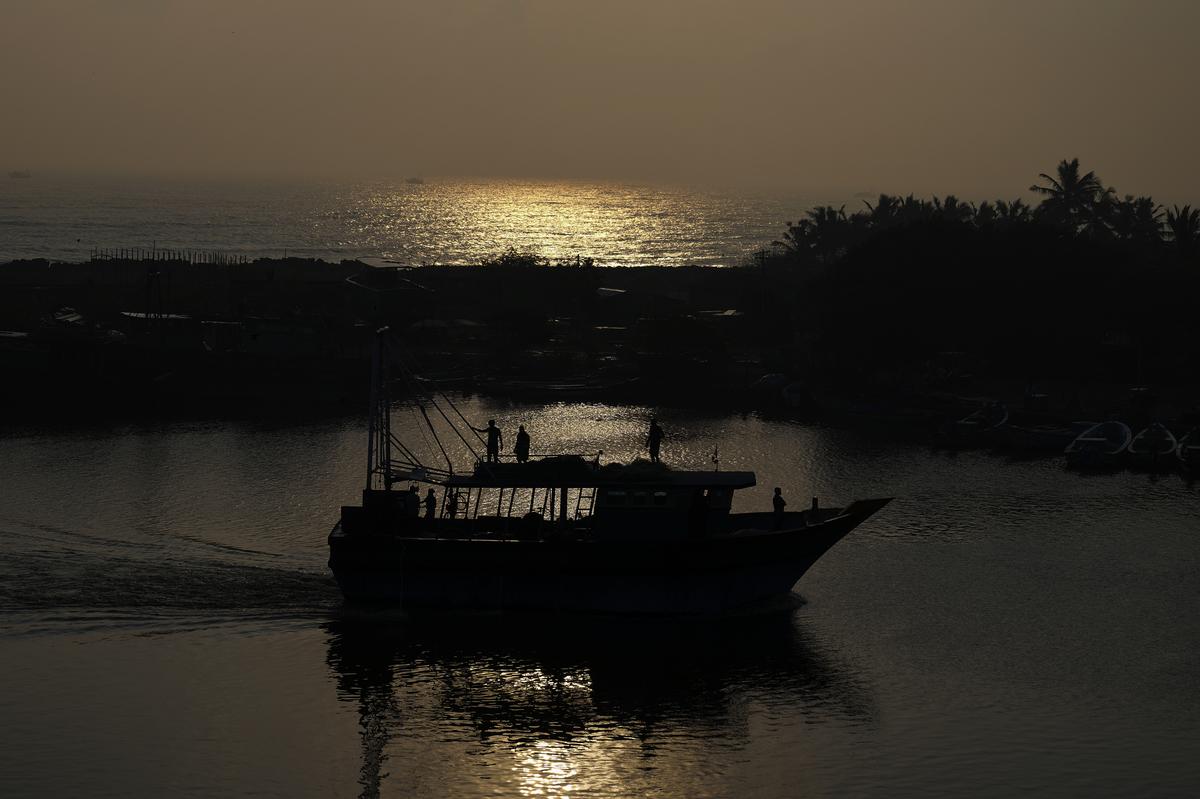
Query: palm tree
point(1137, 219)
point(797, 239)
point(985, 215)
point(884, 213)
point(824, 235)
point(951, 209)
point(913, 210)
point(1013, 213)
point(829, 231)
point(1071, 199)
point(1184, 225)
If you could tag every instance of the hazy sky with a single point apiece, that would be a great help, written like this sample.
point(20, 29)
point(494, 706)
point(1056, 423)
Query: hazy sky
point(926, 96)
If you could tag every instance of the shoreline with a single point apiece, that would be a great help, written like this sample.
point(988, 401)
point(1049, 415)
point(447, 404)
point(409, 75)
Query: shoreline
point(158, 334)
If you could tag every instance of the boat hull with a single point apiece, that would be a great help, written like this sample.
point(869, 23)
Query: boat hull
point(685, 576)
point(1103, 446)
point(1153, 449)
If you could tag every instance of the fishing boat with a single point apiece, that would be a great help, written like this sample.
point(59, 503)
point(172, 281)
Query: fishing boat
point(1042, 439)
point(1153, 447)
point(1100, 446)
point(1188, 451)
point(976, 428)
point(563, 532)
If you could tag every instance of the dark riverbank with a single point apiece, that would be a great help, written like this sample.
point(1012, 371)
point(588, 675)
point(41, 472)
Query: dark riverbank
point(884, 338)
point(172, 329)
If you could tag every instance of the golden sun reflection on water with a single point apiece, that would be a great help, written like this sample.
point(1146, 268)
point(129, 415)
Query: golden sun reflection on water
point(547, 769)
point(615, 223)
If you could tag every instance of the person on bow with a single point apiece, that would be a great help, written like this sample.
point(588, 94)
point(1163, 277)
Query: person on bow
point(779, 503)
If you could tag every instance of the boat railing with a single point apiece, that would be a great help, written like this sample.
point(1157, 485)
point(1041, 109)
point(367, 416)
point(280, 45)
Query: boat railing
point(543, 456)
point(481, 506)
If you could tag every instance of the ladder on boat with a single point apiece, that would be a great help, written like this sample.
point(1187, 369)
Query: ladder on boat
point(585, 503)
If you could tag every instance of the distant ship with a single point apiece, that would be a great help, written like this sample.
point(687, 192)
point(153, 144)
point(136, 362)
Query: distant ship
point(19, 174)
point(563, 532)
point(415, 181)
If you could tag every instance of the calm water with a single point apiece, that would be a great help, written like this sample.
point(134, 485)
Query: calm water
point(449, 221)
point(167, 626)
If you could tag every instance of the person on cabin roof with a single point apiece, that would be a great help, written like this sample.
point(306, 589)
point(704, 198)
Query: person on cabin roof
point(521, 449)
point(654, 440)
point(495, 440)
point(779, 504)
point(413, 505)
point(430, 505)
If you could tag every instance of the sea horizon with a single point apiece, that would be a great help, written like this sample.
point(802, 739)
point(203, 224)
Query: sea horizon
point(65, 217)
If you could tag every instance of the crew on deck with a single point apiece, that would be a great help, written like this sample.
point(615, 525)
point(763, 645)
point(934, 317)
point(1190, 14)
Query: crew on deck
point(654, 440)
point(779, 503)
point(521, 449)
point(495, 440)
point(430, 505)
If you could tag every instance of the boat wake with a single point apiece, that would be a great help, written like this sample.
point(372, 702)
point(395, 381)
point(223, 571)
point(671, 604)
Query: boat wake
point(88, 574)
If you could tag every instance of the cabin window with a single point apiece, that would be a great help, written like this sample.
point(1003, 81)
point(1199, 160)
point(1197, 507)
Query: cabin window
point(615, 497)
point(640, 498)
point(660, 497)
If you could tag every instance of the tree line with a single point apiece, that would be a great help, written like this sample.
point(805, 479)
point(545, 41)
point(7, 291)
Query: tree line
point(1072, 203)
point(1086, 285)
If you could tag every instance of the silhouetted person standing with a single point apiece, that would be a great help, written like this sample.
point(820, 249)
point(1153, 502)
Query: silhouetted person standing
point(654, 440)
point(521, 448)
point(430, 505)
point(495, 440)
point(779, 503)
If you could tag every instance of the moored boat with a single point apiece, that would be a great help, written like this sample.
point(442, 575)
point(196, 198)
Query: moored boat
point(565, 533)
point(976, 428)
point(1043, 439)
point(1153, 447)
point(1100, 446)
point(1188, 450)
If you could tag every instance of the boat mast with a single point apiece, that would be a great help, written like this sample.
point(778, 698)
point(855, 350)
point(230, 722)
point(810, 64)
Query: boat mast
point(379, 424)
point(382, 469)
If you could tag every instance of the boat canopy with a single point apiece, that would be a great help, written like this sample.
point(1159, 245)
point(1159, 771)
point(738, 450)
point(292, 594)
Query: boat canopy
point(569, 471)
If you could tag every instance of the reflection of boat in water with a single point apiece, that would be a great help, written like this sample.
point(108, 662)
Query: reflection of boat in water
point(564, 532)
point(1153, 447)
point(1102, 445)
point(414, 181)
point(523, 680)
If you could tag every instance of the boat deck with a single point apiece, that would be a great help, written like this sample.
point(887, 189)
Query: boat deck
point(506, 528)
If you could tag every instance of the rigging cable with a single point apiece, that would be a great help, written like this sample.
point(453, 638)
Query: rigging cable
point(410, 381)
point(449, 463)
